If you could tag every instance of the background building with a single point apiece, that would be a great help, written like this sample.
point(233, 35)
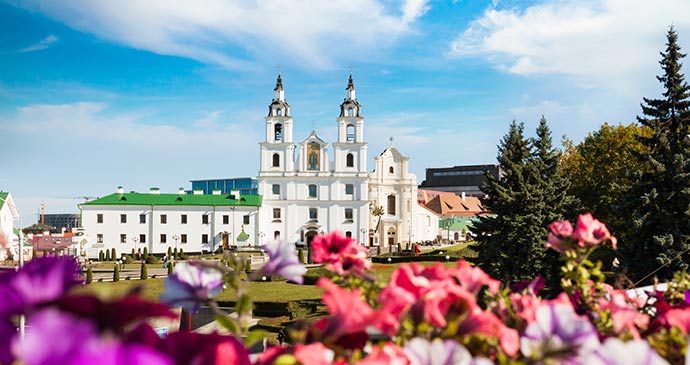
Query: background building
point(458, 179)
point(245, 185)
point(62, 221)
point(192, 222)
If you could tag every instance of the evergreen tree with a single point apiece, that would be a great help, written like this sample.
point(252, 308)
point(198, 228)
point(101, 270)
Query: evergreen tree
point(101, 255)
point(107, 255)
point(116, 273)
point(170, 252)
point(170, 268)
point(143, 272)
point(113, 254)
point(145, 254)
point(89, 276)
point(656, 241)
point(529, 194)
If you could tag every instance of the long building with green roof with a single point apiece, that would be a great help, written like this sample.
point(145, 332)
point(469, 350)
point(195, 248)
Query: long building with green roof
point(130, 222)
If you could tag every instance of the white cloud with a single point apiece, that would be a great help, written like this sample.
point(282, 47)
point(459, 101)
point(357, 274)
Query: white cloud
point(547, 108)
point(598, 43)
point(232, 32)
point(41, 45)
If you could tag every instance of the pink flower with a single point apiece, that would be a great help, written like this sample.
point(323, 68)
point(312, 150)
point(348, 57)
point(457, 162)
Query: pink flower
point(486, 323)
point(624, 312)
point(314, 354)
point(350, 313)
point(341, 254)
point(388, 354)
point(591, 232)
point(679, 317)
point(559, 234)
point(426, 294)
point(474, 278)
point(525, 306)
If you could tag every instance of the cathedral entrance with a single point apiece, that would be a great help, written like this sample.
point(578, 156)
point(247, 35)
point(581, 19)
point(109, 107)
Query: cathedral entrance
point(310, 236)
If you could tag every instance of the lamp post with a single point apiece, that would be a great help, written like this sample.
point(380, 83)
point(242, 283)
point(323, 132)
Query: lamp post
point(364, 238)
point(136, 248)
point(176, 237)
point(261, 237)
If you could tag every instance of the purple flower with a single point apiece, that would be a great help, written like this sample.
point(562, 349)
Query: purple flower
point(43, 280)
point(191, 285)
point(58, 338)
point(7, 330)
point(616, 352)
point(440, 352)
point(283, 261)
point(559, 333)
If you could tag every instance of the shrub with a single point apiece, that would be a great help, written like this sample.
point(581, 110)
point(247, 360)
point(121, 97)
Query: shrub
point(116, 273)
point(170, 268)
point(150, 259)
point(107, 255)
point(113, 254)
point(143, 273)
point(101, 255)
point(146, 253)
point(300, 256)
point(309, 258)
point(175, 252)
point(127, 259)
point(170, 251)
point(133, 252)
point(181, 255)
point(248, 265)
point(89, 276)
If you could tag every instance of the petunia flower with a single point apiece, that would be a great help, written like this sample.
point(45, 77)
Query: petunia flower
point(559, 333)
point(440, 352)
point(190, 285)
point(624, 312)
point(559, 236)
point(340, 254)
point(616, 352)
point(43, 280)
point(283, 261)
point(591, 232)
point(474, 278)
point(313, 354)
point(350, 313)
point(388, 354)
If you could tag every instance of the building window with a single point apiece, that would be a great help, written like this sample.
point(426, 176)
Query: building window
point(279, 112)
point(350, 112)
point(99, 238)
point(123, 238)
point(183, 219)
point(204, 238)
point(279, 132)
point(226, 219)
point(204, 219)
point(276, 235)
point(142, 238)
point(349, 189)
point(183, 238)
point(275, 188)
point(391, 170)
point(123, 218)
point(276, 214)
point(312, 191)
point(348, 234)
point(142, 218)
point(276, 160)
point(348, 214)
point(99, 218)
point(350, 133)
point(313, 214)
point(350, 160)
point(391, 204)
point(245, 219)
point(164, 238)
point(164, 218)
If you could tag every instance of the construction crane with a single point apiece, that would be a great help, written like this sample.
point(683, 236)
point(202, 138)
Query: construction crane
point(43, 212)
point(86, 198)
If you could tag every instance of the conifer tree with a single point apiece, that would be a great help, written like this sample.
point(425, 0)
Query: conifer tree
point(89, 276)
point(656, 241)
point(116, 273)
point(143, 272)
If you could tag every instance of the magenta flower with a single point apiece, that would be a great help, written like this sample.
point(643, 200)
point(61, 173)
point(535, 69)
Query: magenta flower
point(591, 232)
point(388, 354)
point(616, 352)
point(559, 333)
point(190, 285)
point(474, 278)
point(440, 352)
point(559, 236)
point(314, 354)
point(350, 313)
point(43, 280)
point(341, 254)
point(283, 261)
point(198, 349)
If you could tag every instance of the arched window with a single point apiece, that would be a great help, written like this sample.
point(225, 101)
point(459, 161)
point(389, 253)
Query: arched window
point(391, 204)
point(276, 160)
point(312, 191)
point(350, 160)
point(350, 133)
point(278, 132)
point(350, 112)
point(279, 112)
point(391, 170)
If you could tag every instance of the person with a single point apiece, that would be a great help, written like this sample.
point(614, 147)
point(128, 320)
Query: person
point(416, 249)
point(165, 261)
point(139, 254)
point(281, 336)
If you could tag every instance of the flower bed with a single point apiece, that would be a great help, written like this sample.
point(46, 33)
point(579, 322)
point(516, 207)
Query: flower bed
point(432, 315)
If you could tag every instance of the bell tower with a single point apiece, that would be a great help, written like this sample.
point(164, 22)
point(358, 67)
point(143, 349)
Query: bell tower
point(350, 150)
point(278, 149)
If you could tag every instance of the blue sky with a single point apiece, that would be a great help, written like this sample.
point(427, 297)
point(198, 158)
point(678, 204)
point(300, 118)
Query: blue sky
point(96, 94)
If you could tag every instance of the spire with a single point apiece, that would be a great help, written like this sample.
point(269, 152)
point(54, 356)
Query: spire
point(350, 94)
point(279, 83)
point(350, 84)
point(350, 107)
point(279, 107)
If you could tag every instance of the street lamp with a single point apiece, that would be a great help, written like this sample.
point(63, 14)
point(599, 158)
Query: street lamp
point(364, 238)
point(261, 237)
point(176, 237)
point(136, 241)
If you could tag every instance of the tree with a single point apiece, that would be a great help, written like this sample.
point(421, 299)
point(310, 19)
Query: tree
point(38, 228)
point(527, 196)
point(89, 276)
point(656, 240)
point(113, 254)
point(116, 273)
point(143, 272)
point(600, 167)
point(107, 255)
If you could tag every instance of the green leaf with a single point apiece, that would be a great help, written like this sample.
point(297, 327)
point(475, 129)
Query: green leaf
point(228, 323)
point(254, 337)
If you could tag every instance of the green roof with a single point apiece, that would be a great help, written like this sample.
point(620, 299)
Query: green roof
point(3, 196)
point(176, 200)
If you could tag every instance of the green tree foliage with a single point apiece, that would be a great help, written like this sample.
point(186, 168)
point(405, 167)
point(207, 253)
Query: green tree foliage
point(116, 273)
point(529, 194)
point(89, 276)
point(170, 268)
point(38, 228)
point(143, 272)
point(113, 254)
point(145, 253)
point(657, 236)
point(133, 252)
point(101, 255)
point(170, 252)
point(600, 167)
point(107, 255)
